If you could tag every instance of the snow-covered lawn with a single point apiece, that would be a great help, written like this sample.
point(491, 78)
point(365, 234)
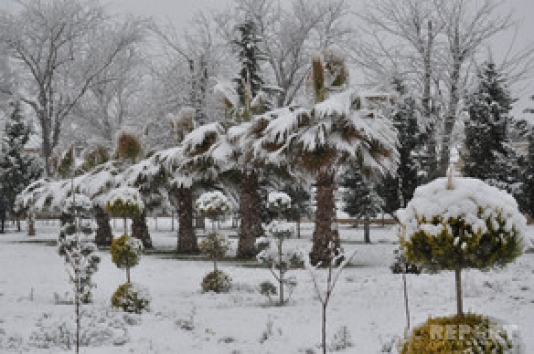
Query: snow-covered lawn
point(368, 300)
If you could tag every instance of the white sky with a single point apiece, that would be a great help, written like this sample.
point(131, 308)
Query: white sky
point(180, 12)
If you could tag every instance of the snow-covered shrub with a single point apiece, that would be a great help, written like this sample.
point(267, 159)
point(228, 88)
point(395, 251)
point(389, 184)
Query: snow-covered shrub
point(268, 289)
point(100, 327)
point(342, 339)
point(126, 252)
point(461, 223)
point(81, 262)
point(270, 332)
point(213, 204)
point(215, 246)
point(469, 333)
point(124, 202)
point(131, 297)
point(216, 281)
point(278, 259)
point(278, 202)
point(79, 203)
point(402, 265)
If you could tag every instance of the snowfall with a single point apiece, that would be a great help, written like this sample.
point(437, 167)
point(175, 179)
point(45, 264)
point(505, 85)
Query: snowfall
point(36, 315)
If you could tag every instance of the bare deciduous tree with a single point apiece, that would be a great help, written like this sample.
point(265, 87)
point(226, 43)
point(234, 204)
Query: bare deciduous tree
point(432, 45)
point(62, 48)
point(290, 33)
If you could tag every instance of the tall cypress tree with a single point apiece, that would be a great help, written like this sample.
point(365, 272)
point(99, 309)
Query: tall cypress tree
point(17, 169)
point(248, 82)
point(488, 154)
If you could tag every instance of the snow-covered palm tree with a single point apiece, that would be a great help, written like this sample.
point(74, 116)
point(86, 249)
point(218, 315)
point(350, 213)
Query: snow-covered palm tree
point(342, 127)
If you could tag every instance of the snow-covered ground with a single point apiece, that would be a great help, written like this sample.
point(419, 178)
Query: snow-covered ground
point(368, 300)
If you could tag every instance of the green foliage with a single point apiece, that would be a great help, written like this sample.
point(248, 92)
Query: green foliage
point(459, 245)
point(17, 169)
point(216, 281)
point(124, 207)
point(268, 289)
point(466, 334)
point(398, 189)
point(526, 197)
point(249, 82)
point(65, 163)
point(214, 245)
point(489, 155)
point(401, 265)
point(359, 197)
point(126, 251)
point(79, 253)
point(132, 298)
point(94, 156)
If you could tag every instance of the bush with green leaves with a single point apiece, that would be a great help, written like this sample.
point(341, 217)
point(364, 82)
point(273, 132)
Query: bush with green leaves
point(278, 259)
point(469, 333)
point(79, 252)
point(213, 205)
point(131, 297)
point(126, 252)
point(216, 281)
point(215, 246)
point(460, 223)
point(124, 202)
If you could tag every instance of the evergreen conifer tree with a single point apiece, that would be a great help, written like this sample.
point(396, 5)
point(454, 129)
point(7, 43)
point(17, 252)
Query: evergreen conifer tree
point(17, 169)
point(248, 82)
point(526, 199)
point(488, 154)
point(398, 189)
point(360, 199)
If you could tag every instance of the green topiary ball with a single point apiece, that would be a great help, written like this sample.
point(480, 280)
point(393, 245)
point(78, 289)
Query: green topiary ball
point(461, 223)
point(216, 281)
point(467, 334)
point(124, 202)
point(131, 297)
point(126, 251)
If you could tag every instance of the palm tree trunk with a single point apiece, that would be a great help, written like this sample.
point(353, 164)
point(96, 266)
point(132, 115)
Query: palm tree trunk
point(140, 230)
point(250, 227)
point(187, 240)
point(325, 219)
point(103, 236)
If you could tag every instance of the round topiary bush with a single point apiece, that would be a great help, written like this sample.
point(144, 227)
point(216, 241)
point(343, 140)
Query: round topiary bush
point(216, 281)
point(126, 252)
point(124, 202)
point(460, 223)
point(131, 297)
point(469, 333)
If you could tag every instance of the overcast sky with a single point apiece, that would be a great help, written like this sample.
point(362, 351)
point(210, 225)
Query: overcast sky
point(180, 13)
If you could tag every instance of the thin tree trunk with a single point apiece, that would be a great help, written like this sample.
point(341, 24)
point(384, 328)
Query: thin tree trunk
point(406, 303)
point(367, 229)
point(298, 227)
point(454, 100)
point(128, 274)
point(187, 240)
point(140, 230)
point(104, 235)
point(325, 218)
point(250, 227)
point(323, 332)
point(459, 300)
